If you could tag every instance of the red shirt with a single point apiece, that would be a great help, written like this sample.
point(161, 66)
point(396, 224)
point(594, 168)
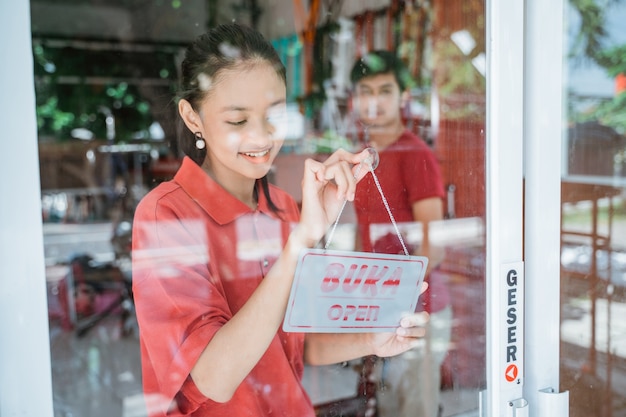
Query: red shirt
point(198, 255)
point(408, 171)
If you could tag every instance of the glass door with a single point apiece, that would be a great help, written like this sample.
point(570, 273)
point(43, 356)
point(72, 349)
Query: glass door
point(520, 207)
point(107, 134)
point(592, 244)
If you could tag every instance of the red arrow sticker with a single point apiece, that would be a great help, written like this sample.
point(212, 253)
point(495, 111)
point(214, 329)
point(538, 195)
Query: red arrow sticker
point(511, 373)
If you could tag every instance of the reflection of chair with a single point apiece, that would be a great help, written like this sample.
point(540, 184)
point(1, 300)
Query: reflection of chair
point(597, 241)
point(92, 291)
point(363, 403)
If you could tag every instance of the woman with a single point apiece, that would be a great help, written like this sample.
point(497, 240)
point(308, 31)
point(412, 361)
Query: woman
point(215, 249)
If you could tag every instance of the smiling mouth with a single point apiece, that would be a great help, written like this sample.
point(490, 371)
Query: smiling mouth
point(256, 154)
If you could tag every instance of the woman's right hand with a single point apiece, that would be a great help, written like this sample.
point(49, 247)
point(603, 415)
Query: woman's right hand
point(325, 187)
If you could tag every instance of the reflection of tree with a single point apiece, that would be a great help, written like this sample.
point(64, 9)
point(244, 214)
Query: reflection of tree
point(590, 43)
point(129, 68)
point(75, 80)
point(460, 84)
point(592, 31)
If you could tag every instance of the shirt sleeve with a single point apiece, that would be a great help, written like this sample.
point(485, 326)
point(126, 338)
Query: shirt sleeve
point(179, 304)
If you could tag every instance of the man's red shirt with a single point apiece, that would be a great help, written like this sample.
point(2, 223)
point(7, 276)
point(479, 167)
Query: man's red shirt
point(408, 171)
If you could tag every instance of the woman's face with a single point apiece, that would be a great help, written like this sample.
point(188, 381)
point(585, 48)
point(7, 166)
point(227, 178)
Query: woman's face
point(243, 123)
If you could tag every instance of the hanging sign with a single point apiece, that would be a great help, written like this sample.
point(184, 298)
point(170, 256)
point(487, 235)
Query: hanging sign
point(343, 291)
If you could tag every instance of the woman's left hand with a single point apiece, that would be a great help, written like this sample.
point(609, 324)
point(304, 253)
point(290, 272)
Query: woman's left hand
point(410, 334)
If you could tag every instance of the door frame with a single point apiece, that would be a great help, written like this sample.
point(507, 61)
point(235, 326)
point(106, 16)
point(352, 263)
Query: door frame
point(524, 133)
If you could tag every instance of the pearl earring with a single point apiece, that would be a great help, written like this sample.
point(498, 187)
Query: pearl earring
point(200, 143)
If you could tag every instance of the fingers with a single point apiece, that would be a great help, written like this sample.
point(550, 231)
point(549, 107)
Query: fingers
point(343, 178)
point(341, 155)
point(415, 319)
point(313, 179)
point(338, 174)
point(413, 325)
point(354, 159)
point(325, 186)
point(362, 167)
point(345, 169)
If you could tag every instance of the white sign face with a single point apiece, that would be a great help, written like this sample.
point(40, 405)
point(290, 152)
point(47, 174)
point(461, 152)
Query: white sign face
point(512, 324)
point(348, 292)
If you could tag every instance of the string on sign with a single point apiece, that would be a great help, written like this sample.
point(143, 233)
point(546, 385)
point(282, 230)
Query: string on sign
point(371, 162)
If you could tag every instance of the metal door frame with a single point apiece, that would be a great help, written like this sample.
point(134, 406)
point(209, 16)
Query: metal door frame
point(25, 373)
point(523, 154)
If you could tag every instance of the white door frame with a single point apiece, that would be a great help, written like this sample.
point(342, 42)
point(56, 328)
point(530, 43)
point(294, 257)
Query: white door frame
point(544, 130)
point(25, 374)
point(524, 131)
point(504, 186)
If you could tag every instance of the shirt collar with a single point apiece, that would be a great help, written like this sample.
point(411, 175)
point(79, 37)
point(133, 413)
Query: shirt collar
point(222, 206)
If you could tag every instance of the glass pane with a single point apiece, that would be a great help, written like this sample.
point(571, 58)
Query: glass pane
point(593, 250)
point(107, 78)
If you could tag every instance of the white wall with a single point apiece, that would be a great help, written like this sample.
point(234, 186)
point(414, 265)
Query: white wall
point(25, 377)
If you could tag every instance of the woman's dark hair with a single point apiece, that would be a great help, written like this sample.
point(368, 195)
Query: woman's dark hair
point(222, 47)
point(381, 62)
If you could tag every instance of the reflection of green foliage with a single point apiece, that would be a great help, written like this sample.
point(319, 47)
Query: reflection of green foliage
point(72, 106)
point(461, 86)
point(49, 117)
point(312, 103)
point(67, 100)
point(591, 33)
point(322, 69)
point(590, 44)
point(611, 113)
point(614, 60)
point(462, 77)
point(331, 141)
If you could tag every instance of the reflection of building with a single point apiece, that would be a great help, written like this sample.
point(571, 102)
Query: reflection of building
point(592, 150)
